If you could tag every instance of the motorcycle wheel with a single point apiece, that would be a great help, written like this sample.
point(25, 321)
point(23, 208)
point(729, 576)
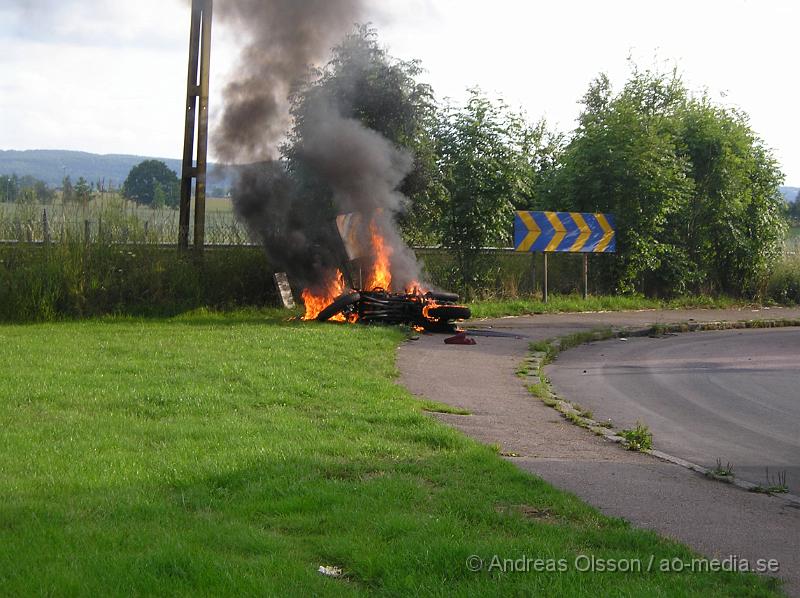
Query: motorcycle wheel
point(339, 304)
point(442, 296)
point(450, 312)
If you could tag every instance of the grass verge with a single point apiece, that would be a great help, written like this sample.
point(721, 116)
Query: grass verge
point(235, 454)
point(576, 303)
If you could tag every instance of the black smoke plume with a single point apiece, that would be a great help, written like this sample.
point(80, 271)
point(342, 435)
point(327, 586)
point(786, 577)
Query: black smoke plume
point(283, 38)
point(331, 164)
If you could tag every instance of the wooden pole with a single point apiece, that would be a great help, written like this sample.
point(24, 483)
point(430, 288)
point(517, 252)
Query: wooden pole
point(187, 168)
point(45, 228)
point(197, 86)
point(202, 131)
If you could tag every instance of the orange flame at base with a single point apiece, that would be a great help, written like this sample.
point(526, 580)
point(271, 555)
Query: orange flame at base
point(415, 288)
point(315, 303)
point(381, 275)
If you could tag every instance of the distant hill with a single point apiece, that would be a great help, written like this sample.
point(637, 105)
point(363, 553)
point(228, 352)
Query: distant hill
point(790, 193)
point(51, 166)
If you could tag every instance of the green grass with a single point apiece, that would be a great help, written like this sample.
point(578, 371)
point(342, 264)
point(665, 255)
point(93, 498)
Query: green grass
point(784, 284)
point(576, 303)
point(235, 454)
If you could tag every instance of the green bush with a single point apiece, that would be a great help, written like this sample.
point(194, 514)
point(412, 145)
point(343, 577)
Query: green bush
point(73, 280)
point(638, 439)
point(784, 284)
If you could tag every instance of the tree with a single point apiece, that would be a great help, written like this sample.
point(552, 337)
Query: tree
point(734, 226)
point(363, 82)
point(10, 187)
point(67, 191)
point(159, 196)
point(27, 188)
point(44, 194)
point(693, 189)
point(5, 188)
point(144, 179)
point(83, 192)
point(491, 162)
point(794, 208)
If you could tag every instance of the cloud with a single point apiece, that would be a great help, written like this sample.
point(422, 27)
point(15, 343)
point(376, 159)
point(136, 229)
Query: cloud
point(95, 23)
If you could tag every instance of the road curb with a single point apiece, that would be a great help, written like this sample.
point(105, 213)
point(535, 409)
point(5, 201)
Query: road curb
point(537, 359)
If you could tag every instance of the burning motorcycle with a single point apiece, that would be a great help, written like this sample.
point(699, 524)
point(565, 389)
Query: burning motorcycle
point(380, 300)
point(432, 311)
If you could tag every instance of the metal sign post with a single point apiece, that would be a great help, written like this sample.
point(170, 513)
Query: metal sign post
point(565, 232)
point(196, 90)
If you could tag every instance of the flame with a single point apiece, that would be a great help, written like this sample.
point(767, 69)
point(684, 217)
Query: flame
point(315, 303)
point(426, 311)
point(381, 275)
point(415, 288)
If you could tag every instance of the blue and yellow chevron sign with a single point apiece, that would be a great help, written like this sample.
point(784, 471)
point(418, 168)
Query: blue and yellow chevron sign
point(564, 232)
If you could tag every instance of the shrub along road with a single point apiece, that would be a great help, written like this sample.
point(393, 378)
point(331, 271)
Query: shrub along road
point(715, 519)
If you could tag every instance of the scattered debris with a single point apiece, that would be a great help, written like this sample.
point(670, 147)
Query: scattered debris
point(330, 571)
point(284, 290)
point(460, 339)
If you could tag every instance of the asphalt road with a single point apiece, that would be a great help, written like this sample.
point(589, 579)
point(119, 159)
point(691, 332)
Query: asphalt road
point(715, 519)
point(732, 395)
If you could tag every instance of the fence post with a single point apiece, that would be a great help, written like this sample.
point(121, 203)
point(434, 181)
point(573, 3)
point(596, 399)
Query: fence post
point(585, 276)
point(544, 295)
point(87, 231)
point(45, 228)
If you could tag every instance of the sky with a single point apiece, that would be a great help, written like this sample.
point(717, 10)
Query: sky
point(106, 76)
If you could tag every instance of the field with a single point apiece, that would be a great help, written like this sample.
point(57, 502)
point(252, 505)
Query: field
point(236, 454)
point(111, 217)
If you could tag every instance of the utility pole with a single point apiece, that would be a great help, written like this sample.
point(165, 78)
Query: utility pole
point(196, 119)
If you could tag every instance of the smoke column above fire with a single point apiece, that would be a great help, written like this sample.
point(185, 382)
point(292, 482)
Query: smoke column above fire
point(282, 39)
point(336, 164)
